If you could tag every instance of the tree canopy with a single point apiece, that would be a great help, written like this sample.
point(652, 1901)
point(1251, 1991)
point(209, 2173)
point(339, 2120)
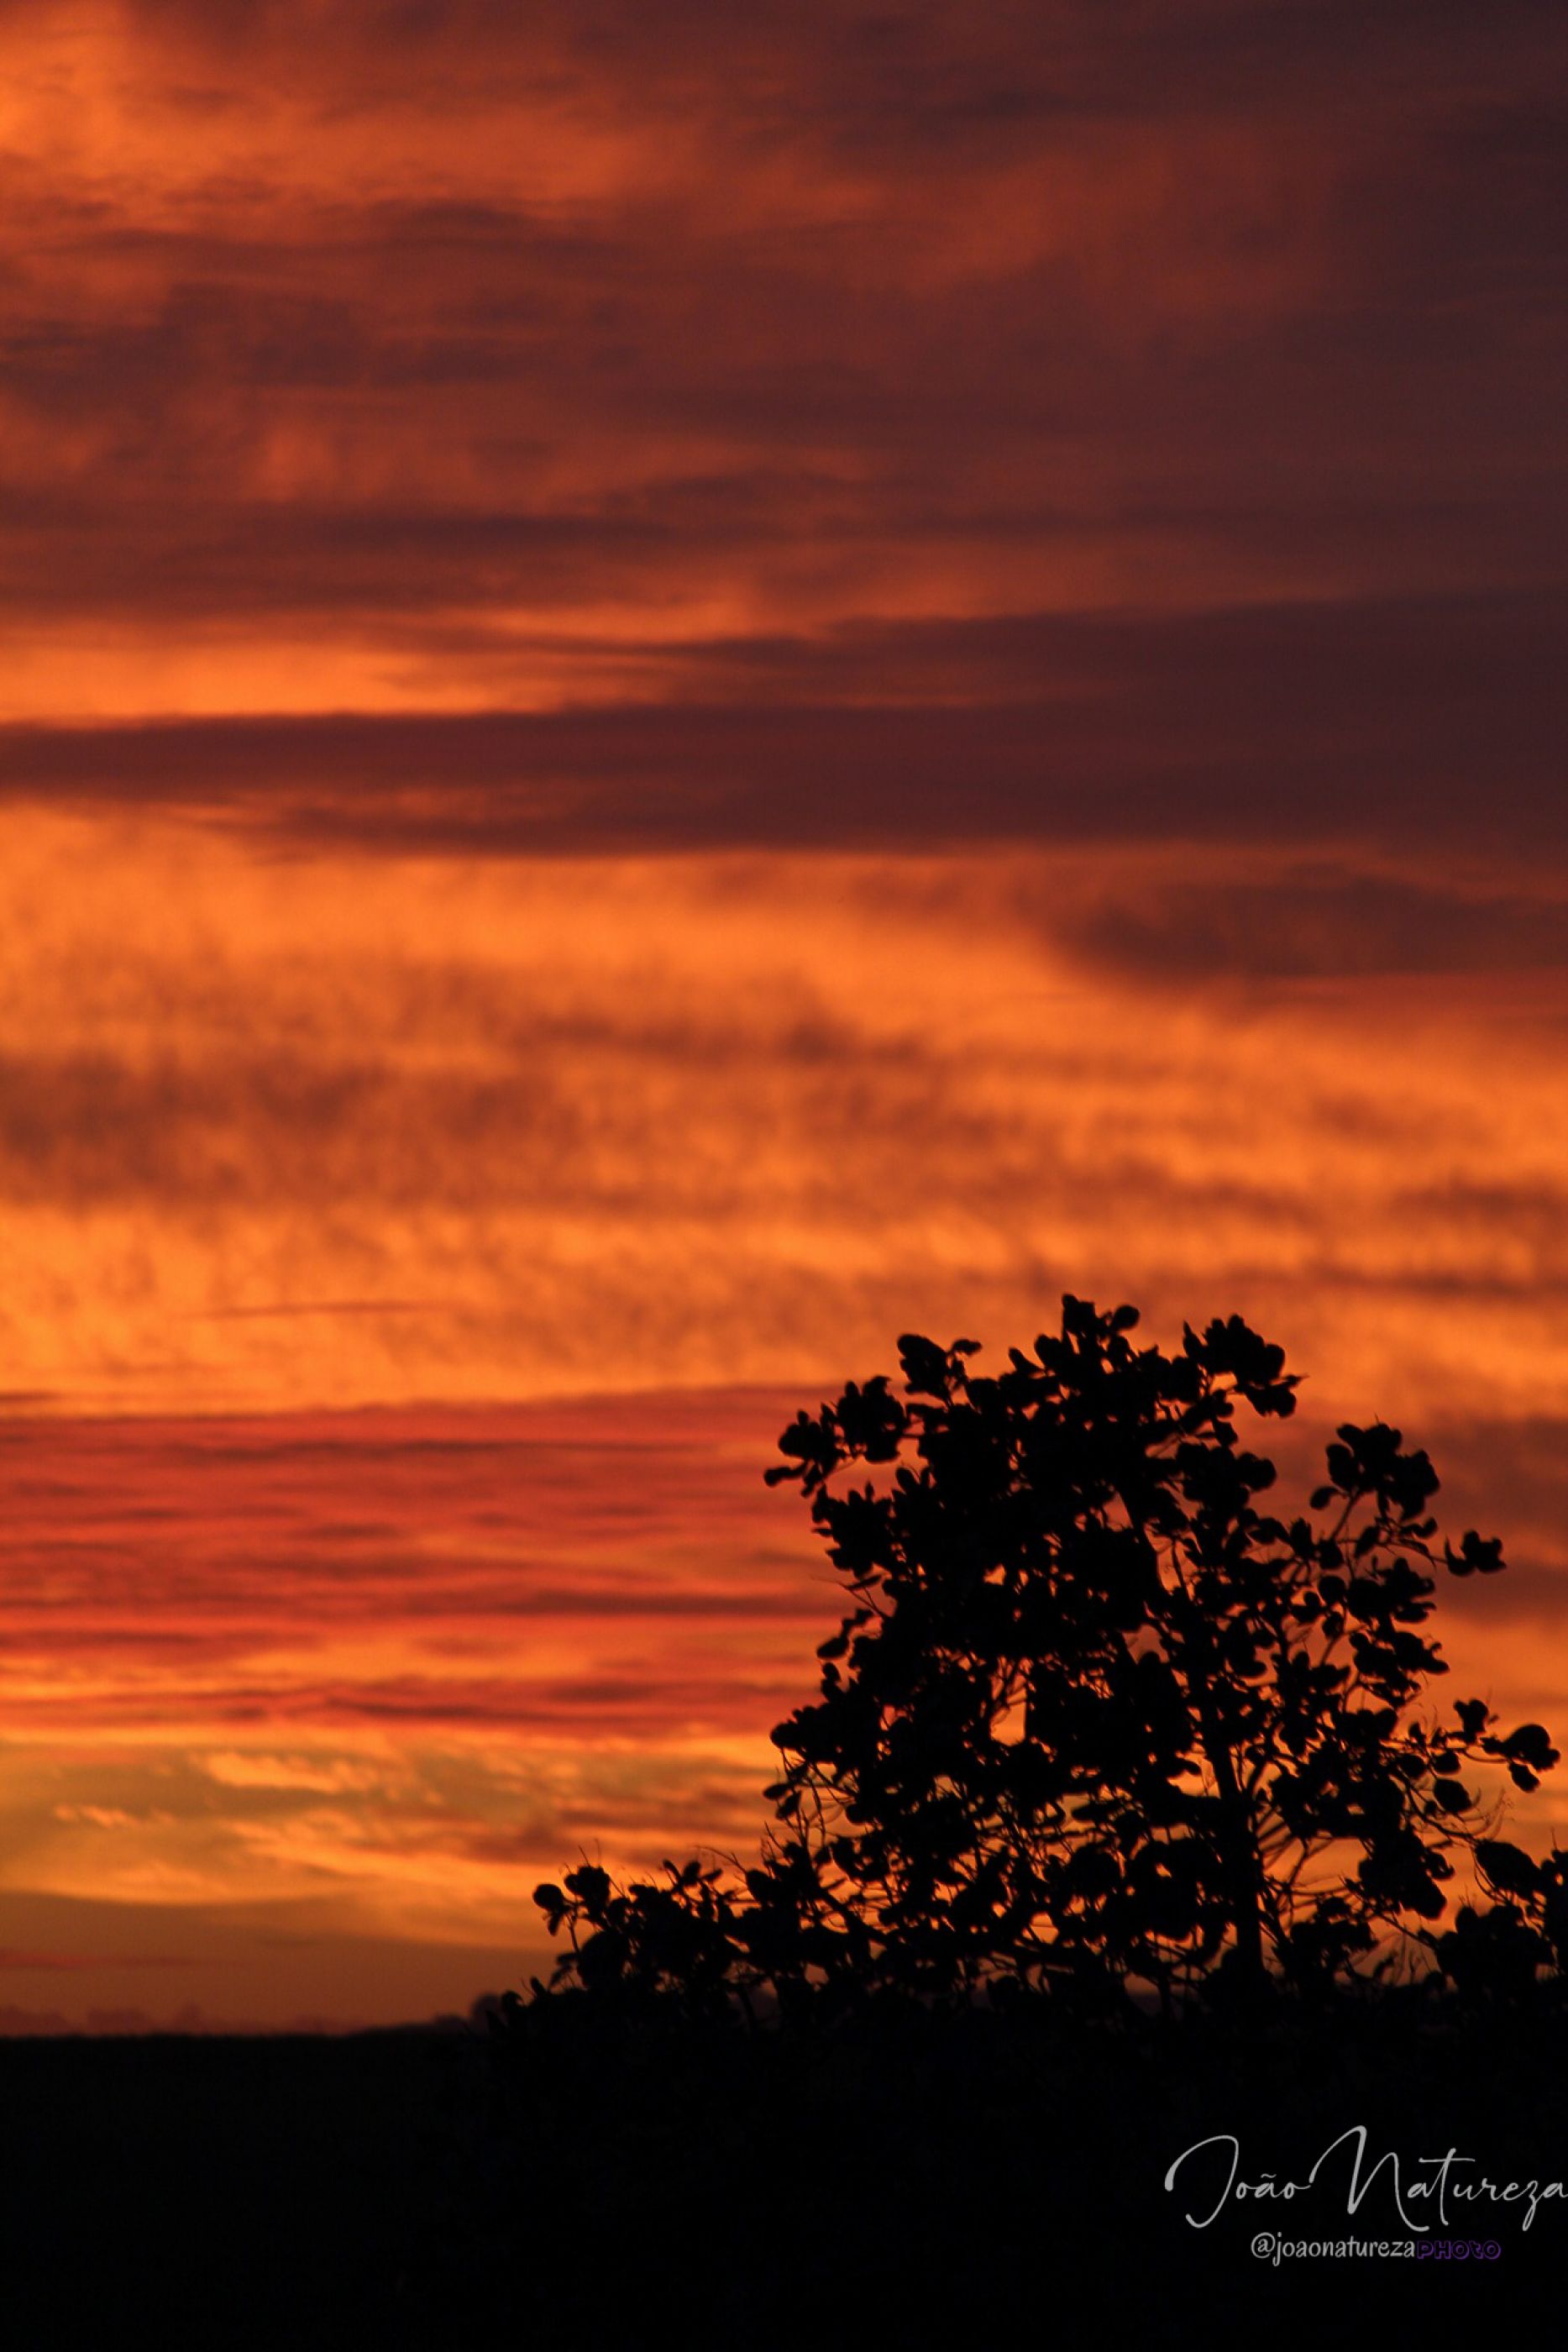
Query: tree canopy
point(1096, 1719)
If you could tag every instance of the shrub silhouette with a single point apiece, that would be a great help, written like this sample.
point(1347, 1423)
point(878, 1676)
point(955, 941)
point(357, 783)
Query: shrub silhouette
point(1094, 1720)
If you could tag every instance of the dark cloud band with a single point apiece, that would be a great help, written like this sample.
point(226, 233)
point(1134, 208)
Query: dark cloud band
point(1398, 725)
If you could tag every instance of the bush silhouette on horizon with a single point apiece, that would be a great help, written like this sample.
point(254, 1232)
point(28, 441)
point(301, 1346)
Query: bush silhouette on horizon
point(1097, 1725)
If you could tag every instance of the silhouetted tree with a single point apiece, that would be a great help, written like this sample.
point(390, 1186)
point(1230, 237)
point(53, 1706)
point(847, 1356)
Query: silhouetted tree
point(1093, 1717)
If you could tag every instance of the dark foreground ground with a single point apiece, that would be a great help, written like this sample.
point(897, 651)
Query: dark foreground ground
point(945, 2188)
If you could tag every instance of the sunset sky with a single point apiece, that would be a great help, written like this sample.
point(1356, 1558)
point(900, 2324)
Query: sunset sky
point(682, 687)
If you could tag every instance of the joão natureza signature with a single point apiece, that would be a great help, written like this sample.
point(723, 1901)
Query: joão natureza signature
point(1210, 2172)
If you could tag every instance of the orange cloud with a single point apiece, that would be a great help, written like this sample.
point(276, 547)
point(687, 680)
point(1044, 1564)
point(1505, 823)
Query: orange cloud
point(430, 365)
point(311, 1129)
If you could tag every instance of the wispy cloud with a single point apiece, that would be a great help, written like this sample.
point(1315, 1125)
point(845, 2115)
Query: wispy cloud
point(508, 1113)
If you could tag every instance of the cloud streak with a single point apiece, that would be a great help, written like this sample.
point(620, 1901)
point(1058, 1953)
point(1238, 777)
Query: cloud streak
point(506, 1113)
point(567, 1629)
point(1374, 726)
